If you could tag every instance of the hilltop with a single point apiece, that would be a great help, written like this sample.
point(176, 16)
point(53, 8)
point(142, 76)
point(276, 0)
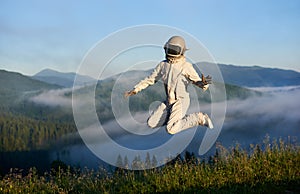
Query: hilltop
point(62, 79)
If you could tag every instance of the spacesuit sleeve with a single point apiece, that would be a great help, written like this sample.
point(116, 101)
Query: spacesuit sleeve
point(150, 80)
point(191, 73)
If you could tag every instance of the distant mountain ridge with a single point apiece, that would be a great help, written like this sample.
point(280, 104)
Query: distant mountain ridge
point(254, 76)
point(244, 76)
point(259, 76)
point(62, 79)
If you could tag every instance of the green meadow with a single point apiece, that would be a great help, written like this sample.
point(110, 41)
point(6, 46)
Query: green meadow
point(270, 167)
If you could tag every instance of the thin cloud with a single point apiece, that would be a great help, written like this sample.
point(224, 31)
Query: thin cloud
point(53, 98)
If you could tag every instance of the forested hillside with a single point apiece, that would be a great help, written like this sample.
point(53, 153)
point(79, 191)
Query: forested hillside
point(21, 133)
point(17, 87)
point(26, 125)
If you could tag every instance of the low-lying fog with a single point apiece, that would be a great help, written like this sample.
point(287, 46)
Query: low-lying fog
point(247, 121)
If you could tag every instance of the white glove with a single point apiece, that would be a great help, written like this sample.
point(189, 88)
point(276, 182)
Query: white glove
point(205, 87)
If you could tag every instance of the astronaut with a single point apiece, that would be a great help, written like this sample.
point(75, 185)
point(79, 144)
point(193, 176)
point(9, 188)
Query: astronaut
point(176, 74)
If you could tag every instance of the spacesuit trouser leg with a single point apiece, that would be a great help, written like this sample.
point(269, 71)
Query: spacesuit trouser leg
point(159, 117)
point(179, 121)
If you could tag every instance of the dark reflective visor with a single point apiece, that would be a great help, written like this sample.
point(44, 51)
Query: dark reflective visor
point(173, 50)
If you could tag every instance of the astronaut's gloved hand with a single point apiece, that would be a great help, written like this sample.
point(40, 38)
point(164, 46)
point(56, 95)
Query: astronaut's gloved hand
point(201, 84)
point(130, 93)
point(206, 80)
point(205, 87)
point(204, 83)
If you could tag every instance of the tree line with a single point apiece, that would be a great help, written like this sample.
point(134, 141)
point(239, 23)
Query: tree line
point(21, 133)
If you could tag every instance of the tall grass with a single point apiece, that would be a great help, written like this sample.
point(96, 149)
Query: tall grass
point(272, 167)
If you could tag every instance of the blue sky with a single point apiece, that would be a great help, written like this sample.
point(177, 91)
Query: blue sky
point(55, 34)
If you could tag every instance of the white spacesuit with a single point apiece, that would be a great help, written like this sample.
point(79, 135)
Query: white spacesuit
point(176, 73)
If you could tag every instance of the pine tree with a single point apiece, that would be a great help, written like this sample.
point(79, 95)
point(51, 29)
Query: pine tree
point(126, 163)
point(137, 163)
point(119, 162)
point(154, 161)
point(148, 161)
